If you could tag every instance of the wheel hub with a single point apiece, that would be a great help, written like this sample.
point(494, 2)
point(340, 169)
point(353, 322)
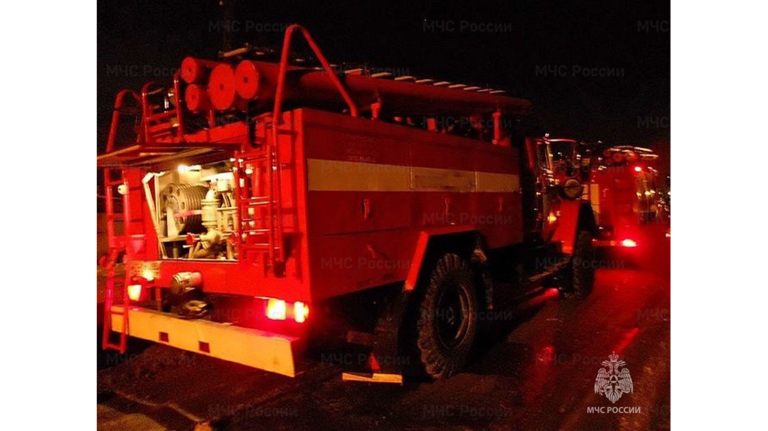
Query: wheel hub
point(452, 319)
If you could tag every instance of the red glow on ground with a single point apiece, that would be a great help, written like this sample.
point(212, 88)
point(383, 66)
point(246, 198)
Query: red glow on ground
point(628, 337)
point(545, 296)
point(547, 354)
point(551, 292)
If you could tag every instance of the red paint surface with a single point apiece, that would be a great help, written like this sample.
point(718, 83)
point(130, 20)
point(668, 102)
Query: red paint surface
point(334, 245)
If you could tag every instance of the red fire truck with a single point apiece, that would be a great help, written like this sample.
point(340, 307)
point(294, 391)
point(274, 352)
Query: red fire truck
point(624, 193)
point(269, 201)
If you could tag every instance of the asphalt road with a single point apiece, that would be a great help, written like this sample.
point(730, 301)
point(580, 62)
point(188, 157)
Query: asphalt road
point(540, 375)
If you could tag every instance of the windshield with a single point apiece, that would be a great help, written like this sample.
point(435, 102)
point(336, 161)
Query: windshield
point(562, 151)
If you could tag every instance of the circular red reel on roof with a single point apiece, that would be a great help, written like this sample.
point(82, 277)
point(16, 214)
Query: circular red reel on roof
point(221, 87)
point(247, 77)
point(197, 98)
point(193, 71)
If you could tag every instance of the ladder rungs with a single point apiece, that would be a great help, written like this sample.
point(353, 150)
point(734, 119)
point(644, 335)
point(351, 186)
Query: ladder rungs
point(259, 200)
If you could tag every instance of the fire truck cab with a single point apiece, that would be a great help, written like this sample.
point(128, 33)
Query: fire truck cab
point(266, 203)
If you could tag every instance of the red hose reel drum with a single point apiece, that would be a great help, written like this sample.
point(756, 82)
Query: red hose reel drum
point(197, 98)
point(195, 70)
point(221, 88)
point(247, 80)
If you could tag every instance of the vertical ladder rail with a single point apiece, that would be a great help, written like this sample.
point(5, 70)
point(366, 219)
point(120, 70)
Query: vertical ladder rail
point(115, 245)
point(271, 195)
point(268, 195)
point(128, 235)
point(111, 258)
point(108, 300)
point(242, 197)
point(277, 202)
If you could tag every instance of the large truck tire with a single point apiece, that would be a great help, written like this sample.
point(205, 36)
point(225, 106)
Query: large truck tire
point(447, 320)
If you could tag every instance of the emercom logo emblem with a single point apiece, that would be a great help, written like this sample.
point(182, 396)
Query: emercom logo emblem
point(613, 381)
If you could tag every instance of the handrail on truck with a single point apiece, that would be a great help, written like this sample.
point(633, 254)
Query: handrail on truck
point(326, 66)
point(276, 213)
point(146, 109)
point(119, 100)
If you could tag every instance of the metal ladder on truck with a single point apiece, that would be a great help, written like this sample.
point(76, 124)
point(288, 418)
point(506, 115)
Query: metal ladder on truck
point(259, 189)
point(131, 244)
point(268, 236)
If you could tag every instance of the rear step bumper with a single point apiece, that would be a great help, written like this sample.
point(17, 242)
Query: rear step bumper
point(259, 349)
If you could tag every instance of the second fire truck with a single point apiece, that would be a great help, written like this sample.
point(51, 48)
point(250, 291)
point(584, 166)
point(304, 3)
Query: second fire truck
point(624, 191)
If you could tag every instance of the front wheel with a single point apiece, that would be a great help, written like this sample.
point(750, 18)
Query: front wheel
point(447, 322)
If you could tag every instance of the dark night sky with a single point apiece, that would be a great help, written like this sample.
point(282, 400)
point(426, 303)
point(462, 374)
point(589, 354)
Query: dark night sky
point(145, 40)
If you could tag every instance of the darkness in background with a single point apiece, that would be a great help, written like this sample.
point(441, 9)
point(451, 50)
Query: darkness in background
point(139, 41)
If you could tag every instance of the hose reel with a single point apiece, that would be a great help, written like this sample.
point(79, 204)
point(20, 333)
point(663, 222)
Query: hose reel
point(184, 202)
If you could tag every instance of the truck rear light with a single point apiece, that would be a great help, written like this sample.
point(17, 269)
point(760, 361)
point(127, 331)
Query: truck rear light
point(276, 309)
point(300, 312)
point(134, 292)
point(629, 243)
